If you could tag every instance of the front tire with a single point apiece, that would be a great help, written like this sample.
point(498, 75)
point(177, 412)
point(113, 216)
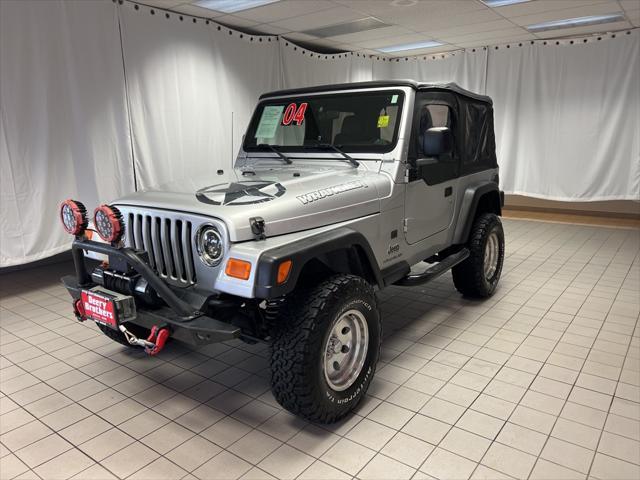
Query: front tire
point(479, 274)
point(325, 348)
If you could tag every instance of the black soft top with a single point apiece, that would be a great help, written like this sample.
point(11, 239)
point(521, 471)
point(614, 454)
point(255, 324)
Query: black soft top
point(452, 87)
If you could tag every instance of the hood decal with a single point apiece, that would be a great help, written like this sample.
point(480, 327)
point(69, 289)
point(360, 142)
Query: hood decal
point(330, 191)
point(241, 193)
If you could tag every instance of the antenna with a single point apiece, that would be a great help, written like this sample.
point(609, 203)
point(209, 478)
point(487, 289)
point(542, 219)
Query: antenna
point(232, 140)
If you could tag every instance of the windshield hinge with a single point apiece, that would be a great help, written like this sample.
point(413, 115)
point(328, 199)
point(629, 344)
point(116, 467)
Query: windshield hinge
point(257, 227)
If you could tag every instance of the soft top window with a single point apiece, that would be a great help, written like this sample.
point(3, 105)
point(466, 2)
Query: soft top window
point(480, 145)
point(352, 121)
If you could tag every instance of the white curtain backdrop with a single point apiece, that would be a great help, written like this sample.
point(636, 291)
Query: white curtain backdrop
point(186, 81)
point(76, 77)
point(568, 118)
point(468, 69)
point(302, 68)
point(63, 122)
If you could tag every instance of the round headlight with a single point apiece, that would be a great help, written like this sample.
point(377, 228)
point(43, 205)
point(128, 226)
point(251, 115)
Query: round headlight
point(107, 221)
point(209, 244)
point(73, 215)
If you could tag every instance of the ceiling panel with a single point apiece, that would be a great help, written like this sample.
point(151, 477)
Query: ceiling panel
point(347, 47)
point(597, 9)
point(541, 6)
point(422, 10)
point(323, 42)
point(371, 34)
point(468, 18)
point(484, 36)
point(634, 17)
point(423, 51)
point(472, 28)
point(458, 23)
point(333, 16)
point(163, 3)
point(303, 37)
point(630, 4)
point(235, 21)
point(270, 29)
point(284, 9)
point(583, 30)
point(515, 39)
point(395, 40)
point(197, 11)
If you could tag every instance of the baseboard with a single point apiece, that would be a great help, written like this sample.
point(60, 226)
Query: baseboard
point(623, 220)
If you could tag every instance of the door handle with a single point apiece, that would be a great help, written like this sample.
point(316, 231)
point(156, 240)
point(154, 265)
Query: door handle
point(448, 191)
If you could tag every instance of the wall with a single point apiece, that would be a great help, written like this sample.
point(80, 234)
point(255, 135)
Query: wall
point(98, 99)
point(568, 117)
point(63, 119)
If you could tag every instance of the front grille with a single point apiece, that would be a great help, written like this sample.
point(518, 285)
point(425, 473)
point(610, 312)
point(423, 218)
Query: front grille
point(168, 243)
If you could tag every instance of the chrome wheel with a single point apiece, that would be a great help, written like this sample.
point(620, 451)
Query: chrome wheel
point(491, 255)
point(345, 350)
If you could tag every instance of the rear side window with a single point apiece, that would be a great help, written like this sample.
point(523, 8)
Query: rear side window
point(479, 146)
point(440, 115)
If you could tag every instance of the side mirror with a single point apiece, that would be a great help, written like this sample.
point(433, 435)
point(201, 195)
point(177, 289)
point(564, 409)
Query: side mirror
point(437, 141)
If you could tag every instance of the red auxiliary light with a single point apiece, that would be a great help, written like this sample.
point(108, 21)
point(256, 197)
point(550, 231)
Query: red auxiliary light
point(107, 221)
point(73, 216)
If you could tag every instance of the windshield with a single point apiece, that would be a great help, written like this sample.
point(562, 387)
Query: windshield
point(353, 122)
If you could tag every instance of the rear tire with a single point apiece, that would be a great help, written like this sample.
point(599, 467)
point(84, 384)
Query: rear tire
point(479, 274)
point(325, 348)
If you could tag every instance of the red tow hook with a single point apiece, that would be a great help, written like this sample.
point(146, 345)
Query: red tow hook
point(158, 337)
point(78, 310)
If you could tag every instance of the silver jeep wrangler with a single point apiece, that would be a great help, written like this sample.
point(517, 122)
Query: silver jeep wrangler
point(337, 191)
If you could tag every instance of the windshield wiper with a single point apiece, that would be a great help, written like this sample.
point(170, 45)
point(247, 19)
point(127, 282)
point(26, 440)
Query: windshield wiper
point(330, 146)
point(276, 151)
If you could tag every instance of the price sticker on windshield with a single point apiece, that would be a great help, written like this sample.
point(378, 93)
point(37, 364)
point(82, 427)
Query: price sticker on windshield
point(294, 113)
point(269, 121)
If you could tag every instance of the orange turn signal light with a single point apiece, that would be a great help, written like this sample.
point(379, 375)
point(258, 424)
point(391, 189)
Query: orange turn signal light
point(284, 269)
point(238, 269)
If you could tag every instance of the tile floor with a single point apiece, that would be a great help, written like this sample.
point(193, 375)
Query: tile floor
point(540, 381)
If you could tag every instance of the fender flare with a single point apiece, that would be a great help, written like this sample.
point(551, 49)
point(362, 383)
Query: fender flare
point(301, 252)
point(470, 201)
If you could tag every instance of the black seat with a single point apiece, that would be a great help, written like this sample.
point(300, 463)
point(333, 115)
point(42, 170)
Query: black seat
point(352, 132)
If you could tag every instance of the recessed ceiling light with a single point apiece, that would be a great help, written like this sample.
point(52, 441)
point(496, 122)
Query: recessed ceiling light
point(362, 25)
point(404, 3)
point(576, 22)
point(232, 6)
point(409, 46)
point(502, 3)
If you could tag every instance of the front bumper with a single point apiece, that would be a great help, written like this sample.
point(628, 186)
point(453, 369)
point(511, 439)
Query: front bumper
point(185, 322)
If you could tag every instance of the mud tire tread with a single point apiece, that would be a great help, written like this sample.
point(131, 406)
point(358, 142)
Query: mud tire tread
point(303, 316)
point(468, 276)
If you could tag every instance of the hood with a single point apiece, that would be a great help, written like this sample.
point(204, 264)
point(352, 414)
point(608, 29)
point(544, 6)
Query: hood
point(288, 198)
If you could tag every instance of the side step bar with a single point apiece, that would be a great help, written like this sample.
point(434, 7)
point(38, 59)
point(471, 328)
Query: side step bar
point(435, 271)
